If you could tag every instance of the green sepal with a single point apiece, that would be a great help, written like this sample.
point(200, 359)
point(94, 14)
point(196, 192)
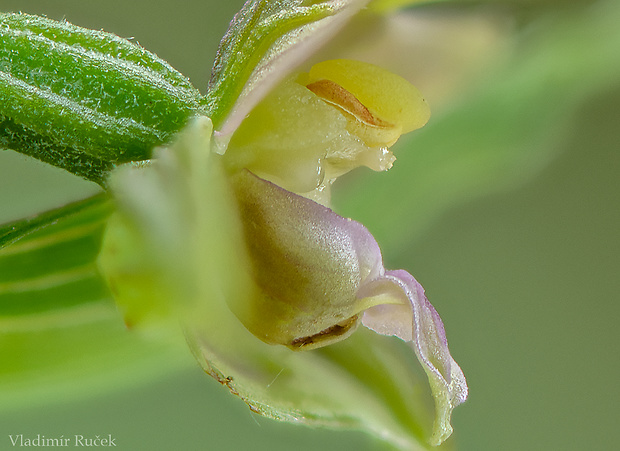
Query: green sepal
point(85, 100)
point(367, 382)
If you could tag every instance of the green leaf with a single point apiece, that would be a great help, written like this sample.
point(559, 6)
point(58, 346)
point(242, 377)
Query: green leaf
point(85, 100)
point(60, 332)
point(266, 39)
point(47, 263)
point(499, 134)
point(14, 231)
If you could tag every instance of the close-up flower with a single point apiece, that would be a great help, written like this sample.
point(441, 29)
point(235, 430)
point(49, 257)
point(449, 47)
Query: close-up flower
point(252, 224)
point(232, 225)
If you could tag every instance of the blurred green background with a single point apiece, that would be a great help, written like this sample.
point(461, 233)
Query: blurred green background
point(519, 255)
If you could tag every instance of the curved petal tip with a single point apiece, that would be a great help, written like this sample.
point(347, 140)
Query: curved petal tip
point(415, 321)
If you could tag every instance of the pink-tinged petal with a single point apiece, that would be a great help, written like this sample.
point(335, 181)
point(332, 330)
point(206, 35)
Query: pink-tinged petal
point(307, 263)
point(416, 321)
point(318, 272)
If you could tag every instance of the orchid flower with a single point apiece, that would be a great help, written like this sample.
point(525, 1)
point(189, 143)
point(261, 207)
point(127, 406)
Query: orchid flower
point(226, 232)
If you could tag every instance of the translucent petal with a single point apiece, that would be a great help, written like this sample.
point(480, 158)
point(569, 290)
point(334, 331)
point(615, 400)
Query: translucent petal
point(416, 321)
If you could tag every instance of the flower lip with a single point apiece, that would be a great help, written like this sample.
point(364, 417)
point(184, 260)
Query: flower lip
point(307, 263)
point(313, 268)
point(417, 322)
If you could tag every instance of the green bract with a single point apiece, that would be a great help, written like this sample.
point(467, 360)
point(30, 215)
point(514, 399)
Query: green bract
point(85, 100)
